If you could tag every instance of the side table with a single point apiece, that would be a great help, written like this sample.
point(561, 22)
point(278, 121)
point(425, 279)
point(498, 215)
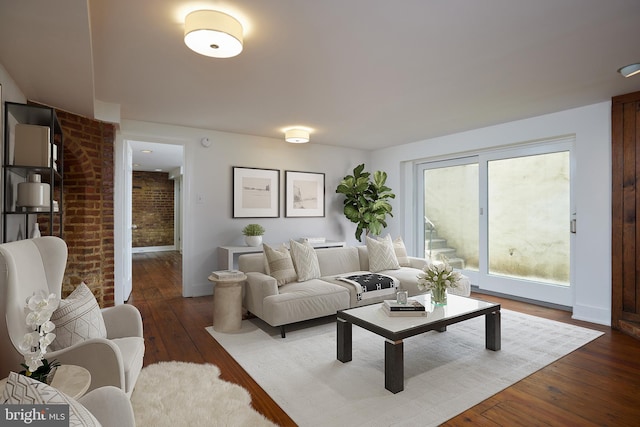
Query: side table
point(227, 303)
point(72, 380)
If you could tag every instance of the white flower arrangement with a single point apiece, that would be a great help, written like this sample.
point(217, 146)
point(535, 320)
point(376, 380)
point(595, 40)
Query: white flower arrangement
point(39, 309)
point(437, 278)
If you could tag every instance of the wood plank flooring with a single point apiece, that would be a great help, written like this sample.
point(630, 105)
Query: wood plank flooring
point(597, 385)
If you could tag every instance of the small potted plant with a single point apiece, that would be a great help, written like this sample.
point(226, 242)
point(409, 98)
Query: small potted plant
point(253, 234)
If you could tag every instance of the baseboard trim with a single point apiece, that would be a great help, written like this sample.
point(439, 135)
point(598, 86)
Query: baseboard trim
point(153, 249)
point(521, 299)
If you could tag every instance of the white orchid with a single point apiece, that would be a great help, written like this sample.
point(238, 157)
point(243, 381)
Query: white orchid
point(30, 340)
point(45, 341)
point(33, 360)
point(39, 308)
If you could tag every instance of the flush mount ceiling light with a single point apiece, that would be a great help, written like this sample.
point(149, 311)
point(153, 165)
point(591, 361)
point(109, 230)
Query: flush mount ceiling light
point(213, 33)
point(296, 136)
point(630, 70)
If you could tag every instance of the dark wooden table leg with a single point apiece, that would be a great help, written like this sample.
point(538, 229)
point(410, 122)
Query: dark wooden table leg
point(394, 366)
point(344, 340)
point(493, 339)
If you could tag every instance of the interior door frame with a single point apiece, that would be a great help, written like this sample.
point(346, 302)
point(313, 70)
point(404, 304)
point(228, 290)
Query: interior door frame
point(122, 214)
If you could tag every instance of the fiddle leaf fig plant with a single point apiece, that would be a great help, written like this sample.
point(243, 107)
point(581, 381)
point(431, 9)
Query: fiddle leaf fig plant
point(366, 201)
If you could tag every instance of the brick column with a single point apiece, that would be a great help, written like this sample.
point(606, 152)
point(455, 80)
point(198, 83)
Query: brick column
point(88, 205)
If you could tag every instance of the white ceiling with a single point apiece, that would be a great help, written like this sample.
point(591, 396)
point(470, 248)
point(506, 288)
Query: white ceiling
point(361, 73)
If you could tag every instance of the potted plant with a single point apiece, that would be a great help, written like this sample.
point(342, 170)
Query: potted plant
point(253, 234)
point(366, 201)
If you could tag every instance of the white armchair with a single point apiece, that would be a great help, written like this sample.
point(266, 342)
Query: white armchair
point(110, 406)
point(29, 265)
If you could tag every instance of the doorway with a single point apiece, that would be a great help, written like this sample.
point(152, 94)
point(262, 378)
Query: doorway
point(148, 158)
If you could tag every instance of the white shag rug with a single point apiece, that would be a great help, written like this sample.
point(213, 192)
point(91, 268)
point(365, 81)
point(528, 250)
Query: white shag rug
point(176, 394)
point(445, 373)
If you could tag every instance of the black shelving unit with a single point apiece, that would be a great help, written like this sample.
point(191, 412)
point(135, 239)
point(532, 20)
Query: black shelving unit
point(18, 222)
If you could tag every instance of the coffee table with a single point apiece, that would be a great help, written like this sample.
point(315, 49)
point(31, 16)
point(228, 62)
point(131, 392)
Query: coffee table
point(396, 329)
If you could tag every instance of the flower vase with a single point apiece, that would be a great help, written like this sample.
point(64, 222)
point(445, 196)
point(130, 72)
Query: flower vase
point(439, 296)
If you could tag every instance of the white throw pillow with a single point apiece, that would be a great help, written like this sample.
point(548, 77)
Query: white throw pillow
point(21, 390)
point(381, 255)
point(400, 250)
point(77, 318)
point(280, 264)
point(305, 260)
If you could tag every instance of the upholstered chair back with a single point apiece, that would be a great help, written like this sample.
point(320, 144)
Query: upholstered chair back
point(26, 266)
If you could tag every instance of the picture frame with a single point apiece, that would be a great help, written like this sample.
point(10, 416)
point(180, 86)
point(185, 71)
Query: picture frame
point(304, 194)
point(256, 192)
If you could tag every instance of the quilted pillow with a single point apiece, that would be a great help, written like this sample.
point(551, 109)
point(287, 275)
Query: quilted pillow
point(381, 255)
point(399, 249)
point(77, 318)
point(21, 390)
point(280, 264)
point(305, 260)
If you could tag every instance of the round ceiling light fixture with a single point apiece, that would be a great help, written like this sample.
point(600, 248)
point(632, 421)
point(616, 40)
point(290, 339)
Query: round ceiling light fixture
point(212, 33)
point(630, 70)
point(296, 136)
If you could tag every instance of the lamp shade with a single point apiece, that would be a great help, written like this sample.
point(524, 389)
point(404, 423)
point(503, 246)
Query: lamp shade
point(297, 136)
point(630, 70)
point(213, 33)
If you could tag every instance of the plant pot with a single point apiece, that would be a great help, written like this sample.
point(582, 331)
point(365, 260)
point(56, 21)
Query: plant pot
point(253, 240)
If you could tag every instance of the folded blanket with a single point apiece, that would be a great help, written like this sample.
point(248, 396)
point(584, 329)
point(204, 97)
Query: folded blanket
point(368, 284)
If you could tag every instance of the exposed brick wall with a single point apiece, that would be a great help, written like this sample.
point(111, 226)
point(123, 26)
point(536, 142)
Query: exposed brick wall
point(88, 205)
point(152, 209)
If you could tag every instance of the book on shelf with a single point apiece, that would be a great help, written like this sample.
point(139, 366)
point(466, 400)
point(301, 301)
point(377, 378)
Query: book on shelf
point(411, 305)
point(405, 313)
point(227, 274)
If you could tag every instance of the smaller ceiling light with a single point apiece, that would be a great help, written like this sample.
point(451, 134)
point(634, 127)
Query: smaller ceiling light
point(212, 33)
point(146, 151)
point(296, 136)
point(630, 70)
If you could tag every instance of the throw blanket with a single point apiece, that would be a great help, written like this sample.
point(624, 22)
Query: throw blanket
point(367, 284)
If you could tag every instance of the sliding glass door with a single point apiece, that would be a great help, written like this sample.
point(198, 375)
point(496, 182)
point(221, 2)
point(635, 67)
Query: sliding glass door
point(503, 218)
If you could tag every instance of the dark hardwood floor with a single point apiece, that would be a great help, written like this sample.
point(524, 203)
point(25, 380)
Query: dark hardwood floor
point(597, 385)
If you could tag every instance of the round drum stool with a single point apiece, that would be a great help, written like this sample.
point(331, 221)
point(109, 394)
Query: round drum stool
point(227, 304)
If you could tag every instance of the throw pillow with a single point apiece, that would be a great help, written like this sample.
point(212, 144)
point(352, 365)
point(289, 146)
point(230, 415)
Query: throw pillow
point(400, 250)
point(305, 260)
point(21, 390)
point(381, 255)
point(280, 264)
point(77, 318)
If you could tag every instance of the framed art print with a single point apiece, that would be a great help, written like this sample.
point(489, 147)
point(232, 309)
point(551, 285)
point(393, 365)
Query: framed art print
point(304, 194)
point(256, 193)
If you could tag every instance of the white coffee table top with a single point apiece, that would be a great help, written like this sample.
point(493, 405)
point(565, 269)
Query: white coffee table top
point(456, 306)
point(72, 380)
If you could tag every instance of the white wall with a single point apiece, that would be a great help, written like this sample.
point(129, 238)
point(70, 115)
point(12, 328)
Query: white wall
point(207, 172)
point(592, 128)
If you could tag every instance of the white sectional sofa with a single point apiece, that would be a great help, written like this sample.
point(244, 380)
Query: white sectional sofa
point(283, 304)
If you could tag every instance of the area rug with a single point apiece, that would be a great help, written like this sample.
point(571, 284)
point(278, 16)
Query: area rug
point(445, 373)
point(176, 394)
